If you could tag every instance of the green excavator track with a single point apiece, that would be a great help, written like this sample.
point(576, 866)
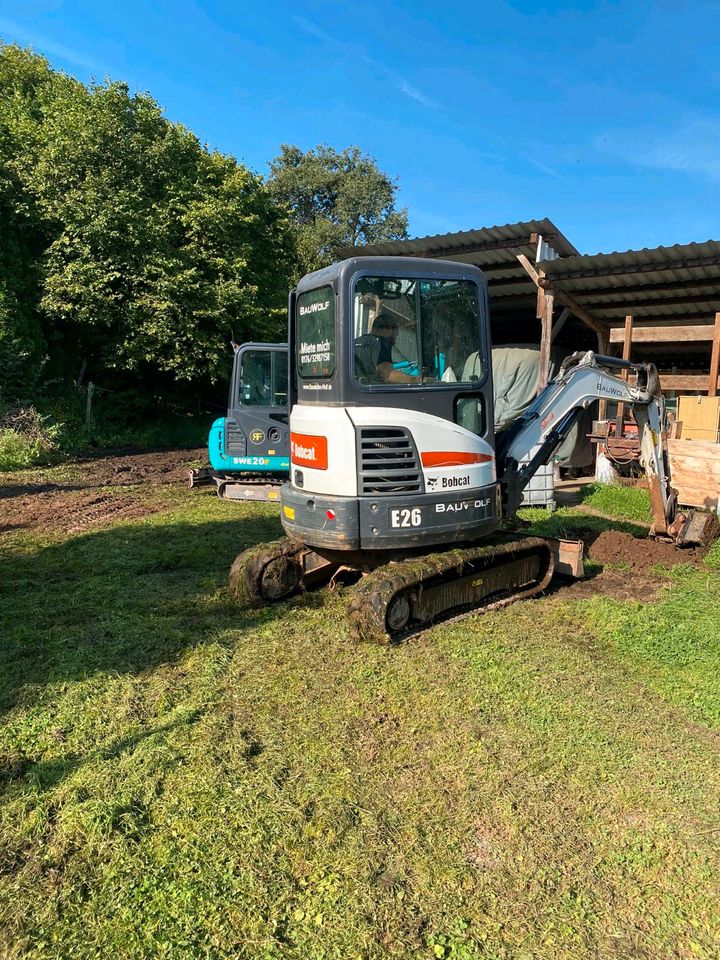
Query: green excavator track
point(401, 597)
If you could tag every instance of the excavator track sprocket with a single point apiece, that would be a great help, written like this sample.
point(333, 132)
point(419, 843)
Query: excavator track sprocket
point(401, 598)
point(266, 573)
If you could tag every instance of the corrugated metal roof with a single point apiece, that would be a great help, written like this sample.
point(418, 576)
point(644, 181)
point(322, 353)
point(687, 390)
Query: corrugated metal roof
point(493, 249)
point(485, 246)
point(665, 285)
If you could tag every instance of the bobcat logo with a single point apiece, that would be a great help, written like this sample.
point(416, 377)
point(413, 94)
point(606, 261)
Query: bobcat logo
point(432, 482)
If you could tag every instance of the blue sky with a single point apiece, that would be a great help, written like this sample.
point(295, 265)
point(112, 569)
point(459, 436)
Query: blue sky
point(604, 117)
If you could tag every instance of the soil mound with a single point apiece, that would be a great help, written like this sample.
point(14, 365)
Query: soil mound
point(638, 555)
point(632, 567)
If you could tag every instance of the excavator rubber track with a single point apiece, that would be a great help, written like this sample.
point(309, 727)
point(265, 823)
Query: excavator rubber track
point(266, 573)
point(399, 599)
point(274, 571)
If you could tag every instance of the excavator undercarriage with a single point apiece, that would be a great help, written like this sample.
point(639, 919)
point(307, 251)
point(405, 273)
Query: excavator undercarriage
point(395, 597)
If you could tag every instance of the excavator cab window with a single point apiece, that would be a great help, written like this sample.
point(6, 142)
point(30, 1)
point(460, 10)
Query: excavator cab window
point(263, 378)
point(280, 378)
point(409, 331)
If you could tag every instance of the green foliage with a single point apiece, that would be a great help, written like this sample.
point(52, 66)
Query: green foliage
point(132, 251)
point(164, 431)
point(336, 199)
point(22, 342)
point(26, 439)
point(16, 451)
point(129, 252)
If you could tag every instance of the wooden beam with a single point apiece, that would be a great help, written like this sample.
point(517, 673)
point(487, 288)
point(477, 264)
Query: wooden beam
point(627, 341)
point(546, 338)
point(627, 348)
point(694, 382)
point(669, 334)
point(715, 359)
point(529, 268)
point(567, 301)
point(564, 298)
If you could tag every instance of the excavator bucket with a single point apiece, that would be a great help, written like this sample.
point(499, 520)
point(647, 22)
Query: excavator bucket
point(697, 529)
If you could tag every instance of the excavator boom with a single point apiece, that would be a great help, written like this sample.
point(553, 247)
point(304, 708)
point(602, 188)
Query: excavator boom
point(583, 378)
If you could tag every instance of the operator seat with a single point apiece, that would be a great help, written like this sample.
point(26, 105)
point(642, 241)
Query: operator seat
point(367, 353)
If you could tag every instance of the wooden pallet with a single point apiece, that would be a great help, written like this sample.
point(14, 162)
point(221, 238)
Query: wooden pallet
point(695, 471)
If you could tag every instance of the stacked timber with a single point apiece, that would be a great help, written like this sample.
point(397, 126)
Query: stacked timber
point(695, 472)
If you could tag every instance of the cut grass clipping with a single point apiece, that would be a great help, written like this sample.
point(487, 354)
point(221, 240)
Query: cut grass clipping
point(183, 779)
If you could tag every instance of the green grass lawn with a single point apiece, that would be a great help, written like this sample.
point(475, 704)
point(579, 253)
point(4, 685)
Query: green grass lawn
point(182, 779)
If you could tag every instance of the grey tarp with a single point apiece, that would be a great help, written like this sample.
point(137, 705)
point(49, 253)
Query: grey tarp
point(516, 373)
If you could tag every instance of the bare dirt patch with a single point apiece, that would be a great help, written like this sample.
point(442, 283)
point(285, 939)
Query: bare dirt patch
point(166, 466)
point(630, 566)
point(88, 497)
point(614, 583)
point(487, 847)
point(635, 553)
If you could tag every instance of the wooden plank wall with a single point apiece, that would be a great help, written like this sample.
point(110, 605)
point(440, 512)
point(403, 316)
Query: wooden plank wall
point(695, 472)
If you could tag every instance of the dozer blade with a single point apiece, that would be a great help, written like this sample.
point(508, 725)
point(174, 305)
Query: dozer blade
point(402, 598)
point(248, 489)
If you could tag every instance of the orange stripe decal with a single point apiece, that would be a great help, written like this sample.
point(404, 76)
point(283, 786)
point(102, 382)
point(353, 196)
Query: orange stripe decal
point(453, 458)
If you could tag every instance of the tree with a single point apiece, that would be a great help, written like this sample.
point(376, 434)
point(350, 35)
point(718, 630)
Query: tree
point(22, 239)
point(153, 248)
point(335, 199)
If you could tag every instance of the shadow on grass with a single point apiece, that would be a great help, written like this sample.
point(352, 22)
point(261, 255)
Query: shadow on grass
point(128, 598)
point(120, 600)
point(47, 774)
point(31, 489)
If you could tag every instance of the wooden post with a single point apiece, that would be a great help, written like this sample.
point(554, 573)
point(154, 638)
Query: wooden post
point(602, 348)
point(546, 337)
point(627, 341)
point(715, 359)
point(88, 403)
point(627, 347)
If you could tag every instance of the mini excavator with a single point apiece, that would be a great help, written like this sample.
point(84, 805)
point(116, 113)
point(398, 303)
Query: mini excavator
point(398, 481)
point(249, 447)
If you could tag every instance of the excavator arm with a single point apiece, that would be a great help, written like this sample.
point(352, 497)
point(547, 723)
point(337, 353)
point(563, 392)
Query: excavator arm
point(534, 437)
